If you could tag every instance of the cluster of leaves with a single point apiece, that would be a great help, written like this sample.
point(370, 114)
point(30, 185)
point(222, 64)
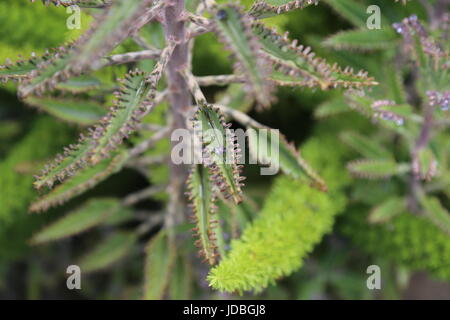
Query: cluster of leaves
point(65, 83)
point(406, 158)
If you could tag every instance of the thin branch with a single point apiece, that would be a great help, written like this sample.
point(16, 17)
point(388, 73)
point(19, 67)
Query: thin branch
point(131, 57)
point(220, 80)
point(145, 145)
point(140, 41)
point(199, 20)
point(150, 14)
point(150, 127)
point(146, 161)
point(194, 87)
point(241, 117)
point(152, 221)
point(141, 195)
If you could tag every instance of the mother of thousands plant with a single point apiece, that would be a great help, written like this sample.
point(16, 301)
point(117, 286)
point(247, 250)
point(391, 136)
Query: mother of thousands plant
point(63, 83)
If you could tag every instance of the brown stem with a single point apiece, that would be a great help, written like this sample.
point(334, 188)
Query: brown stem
point(180, 101)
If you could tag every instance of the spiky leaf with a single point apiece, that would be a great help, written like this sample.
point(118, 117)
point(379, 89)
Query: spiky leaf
point(387, 210)
point(367, 147)
point(267, 8)
point(202, 196)
point(376, 169)
point(160, 257)
point(180, 286)
point(362, 39)
point(297, 66)
point(235, 30)
point(89, 215)
point(219, 151)
point(80, 3)
point(111, 250)
point(21, 69)
point(114, 27)
point(79, 183)
point(273, 149)
point(437, 213)
point(133, 101)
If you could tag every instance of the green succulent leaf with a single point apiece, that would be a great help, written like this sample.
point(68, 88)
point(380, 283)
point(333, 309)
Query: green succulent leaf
point(117, 23)
point(267, 8)
point(108, 252)
point(376, 168)
point(367, 147)
point(219, 151)
point(80, 3)
point(80, 84)
point(79, 183)
point(437, 213)
point(234, 29)
point(388, 209)
point(21, 69)
point(159, 263)
point(235, 97)
point(352, 10)
point(201, 194)
point(181, 281)
point(48, 73)
point(362, 39)
point(86, 54)
point(74, 111)
point(297, 66)
point(89, 215)
point(134, 100)
point(273, 148)
point(331, 107)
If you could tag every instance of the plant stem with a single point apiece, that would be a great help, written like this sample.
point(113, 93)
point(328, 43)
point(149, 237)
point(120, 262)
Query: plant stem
point(180, 102)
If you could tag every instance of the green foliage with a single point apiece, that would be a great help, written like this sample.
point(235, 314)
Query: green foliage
point(253, 239)
point(43, 138)
point(74, 111)
point(86, 217)
point(107, 252)
point(406, 239)
point(235, 30)
point(285, 232)
point(159, 262)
